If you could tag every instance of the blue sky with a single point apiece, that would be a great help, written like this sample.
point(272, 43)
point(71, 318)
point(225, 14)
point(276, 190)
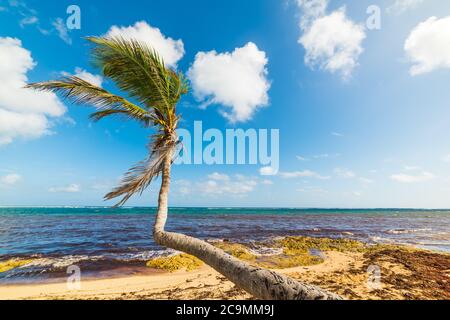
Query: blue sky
point(363, 113)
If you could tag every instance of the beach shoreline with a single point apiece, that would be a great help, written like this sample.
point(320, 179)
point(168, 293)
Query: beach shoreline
point(405, 273)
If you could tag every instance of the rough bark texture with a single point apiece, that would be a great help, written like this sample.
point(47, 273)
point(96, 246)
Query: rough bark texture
point(261, 283)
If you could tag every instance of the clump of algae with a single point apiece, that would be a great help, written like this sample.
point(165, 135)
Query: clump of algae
point(288, 259)
point(12, 264)
point(284, 261)
point(175, 263)
point(236, 250)
point(301, 245)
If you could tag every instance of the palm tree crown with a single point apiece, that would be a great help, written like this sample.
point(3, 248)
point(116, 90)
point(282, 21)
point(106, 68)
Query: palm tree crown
point(140, 72)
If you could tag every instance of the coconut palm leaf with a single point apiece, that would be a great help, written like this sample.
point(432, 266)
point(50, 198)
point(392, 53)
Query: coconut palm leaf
point(141, 72)
point(82, 92)
point(139, 177)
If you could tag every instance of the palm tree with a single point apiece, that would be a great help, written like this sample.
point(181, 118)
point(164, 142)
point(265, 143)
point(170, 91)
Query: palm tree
point(140, 72)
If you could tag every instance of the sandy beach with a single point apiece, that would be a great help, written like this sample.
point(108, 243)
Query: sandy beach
point(405, 274)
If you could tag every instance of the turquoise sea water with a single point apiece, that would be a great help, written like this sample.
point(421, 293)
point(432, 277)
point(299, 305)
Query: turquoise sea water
point(106, 239)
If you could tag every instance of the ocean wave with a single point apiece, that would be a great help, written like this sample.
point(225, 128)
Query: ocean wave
point(40, 264)
point(408, 231)
point(378, 239)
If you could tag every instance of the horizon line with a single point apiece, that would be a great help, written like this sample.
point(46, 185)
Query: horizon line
point(221, 207)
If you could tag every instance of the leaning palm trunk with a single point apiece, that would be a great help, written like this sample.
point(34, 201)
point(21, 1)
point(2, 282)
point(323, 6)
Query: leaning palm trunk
point(261, 283)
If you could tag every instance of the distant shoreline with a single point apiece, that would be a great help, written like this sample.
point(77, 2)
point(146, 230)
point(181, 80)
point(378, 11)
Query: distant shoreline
point(228, 207)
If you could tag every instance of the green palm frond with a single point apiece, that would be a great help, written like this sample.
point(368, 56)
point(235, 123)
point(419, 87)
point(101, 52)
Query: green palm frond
point(82, 92)
point(141, 72)
point(139, 177)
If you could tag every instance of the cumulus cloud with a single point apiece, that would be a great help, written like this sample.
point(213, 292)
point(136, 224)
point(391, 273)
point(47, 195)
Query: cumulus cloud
point(428, 46)
point(412, 168)
point(313, 189)
point(221, 184)
point(10, 179)
point(267, 171)
point(365, 180)
point(219, 177)
point(24, 113)
point(94, 79)
point(344, 173)
point(400, 6)
point(406, 178)
point(302, 174)
point(267, 182)
point(72, 188)
point(332, 42)
point(169, 49)
point(236, 80)
point(228, 187)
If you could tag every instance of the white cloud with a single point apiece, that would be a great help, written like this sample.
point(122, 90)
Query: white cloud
point(302, 174)
point(319, 157)
point(23, 112)
point(10, 179)
point(412, 168)
point(344, 173)
point(312, 190)
point(267, 182)
point(405, 178)
point(30, 17)
point(428, 46)
point(169, 49)
point(400, 6)
point(62, 30)
point(96, 80)
point(228, 187)
point(184, 187)
point(236, 80)
point(219, 177)
point(28, 21)
point(73, 188)
point(332, 42)
point(365, 180)
point(267, 171)
point(326, 156)
point(446, 158)
point(337, 134)
point(222, 184)
point(311, 11)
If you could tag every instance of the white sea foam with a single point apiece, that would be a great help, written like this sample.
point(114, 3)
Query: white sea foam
point(406, 231)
